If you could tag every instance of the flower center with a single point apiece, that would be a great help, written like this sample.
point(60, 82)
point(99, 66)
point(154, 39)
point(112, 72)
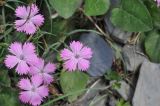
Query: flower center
point(77, 56)
point(41, 71)
point(21, 57)
point(33, 89)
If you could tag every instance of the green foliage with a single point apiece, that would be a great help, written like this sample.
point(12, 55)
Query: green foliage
point(121, 102)
point(132, 16)
point(73, 82)
point(112, 75)
point(96, 7)
point(8, 97)
point(152, 46)
point(65, 8)
point(4, 78)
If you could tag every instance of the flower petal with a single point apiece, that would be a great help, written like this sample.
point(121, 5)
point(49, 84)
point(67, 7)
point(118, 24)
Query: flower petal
point(36, 81)
point(21, 12)
point(66, 54)
point(43, 91)
point(20, 25)
point(31, 59)
point(25, 84)
point(47, 78)
point(34, 10)
point(86, 53)
point(22, 68)
point(36, 99)
point(30, 28)
point(25, 96)
point(28, 48)
point(83, 64)
point(37, 20)
point(11, 61)
point(76, 46)
point(70, 65)
point(16, 48)
point(50, 68)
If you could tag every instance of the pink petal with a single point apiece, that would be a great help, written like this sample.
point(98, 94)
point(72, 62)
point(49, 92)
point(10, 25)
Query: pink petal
point(31, 59)
point(25, 84)
point(30, 28)
point(22, 68)
point(16, 48)
point(36, 99)
point(20, 25)
point(50, 68)
point(21, 12)
point(36, 81)
point(25, 96)
point(38, 20)
point(66, 54)
point(76, 46)
point(11, 61)
point(34, 10)
point(34, 70)
point(71, 64)
point(28, 48)
point(47, 78)
point(43, 91)
point(86, 53)
point(83, 64)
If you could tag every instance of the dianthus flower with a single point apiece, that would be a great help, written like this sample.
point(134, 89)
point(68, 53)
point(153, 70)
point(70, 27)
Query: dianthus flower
point(29, 19)
point(158, 2)
point(76, 57)
point(33, 91)
point(43, 71)
point(22, 56)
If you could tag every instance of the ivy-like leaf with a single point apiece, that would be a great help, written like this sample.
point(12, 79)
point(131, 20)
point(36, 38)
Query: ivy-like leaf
point(65, 8)
point(133, 16)
point(73, 83)
point(96, 7)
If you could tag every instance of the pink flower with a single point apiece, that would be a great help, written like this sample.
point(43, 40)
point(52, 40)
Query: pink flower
point(158, 2)
point(21, 57)
point(29, 19)
point(32, 91)
point(76, 57)
point(43, 71)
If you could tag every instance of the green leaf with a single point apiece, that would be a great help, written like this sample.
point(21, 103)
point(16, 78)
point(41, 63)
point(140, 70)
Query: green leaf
point(133, 16)
point(4, 78)
point(73, 82)
point(65, 8)
point(9, 97)
point(96, 7)
point(121, 102)
point(154, 11)
point(152, 46)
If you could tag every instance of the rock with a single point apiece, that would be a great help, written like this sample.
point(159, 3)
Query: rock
point(132, 57)
point(125, 90)
point(147, 91)
point(92, 96)
point(115, 32)
point(112, 101)
point(102, 54)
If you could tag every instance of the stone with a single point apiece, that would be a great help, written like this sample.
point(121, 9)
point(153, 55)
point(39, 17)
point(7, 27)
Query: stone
point(102, 54)
point(125, 90)
point(147, 91)
point(133, 57)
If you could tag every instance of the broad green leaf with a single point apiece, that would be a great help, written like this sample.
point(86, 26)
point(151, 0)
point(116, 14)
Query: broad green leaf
point(73, 82)
point(133, 16)
point(152, 46)
point(65, 8)
point(121, 102)
point(4, 78)
point(154, 11)
point(96, 7)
